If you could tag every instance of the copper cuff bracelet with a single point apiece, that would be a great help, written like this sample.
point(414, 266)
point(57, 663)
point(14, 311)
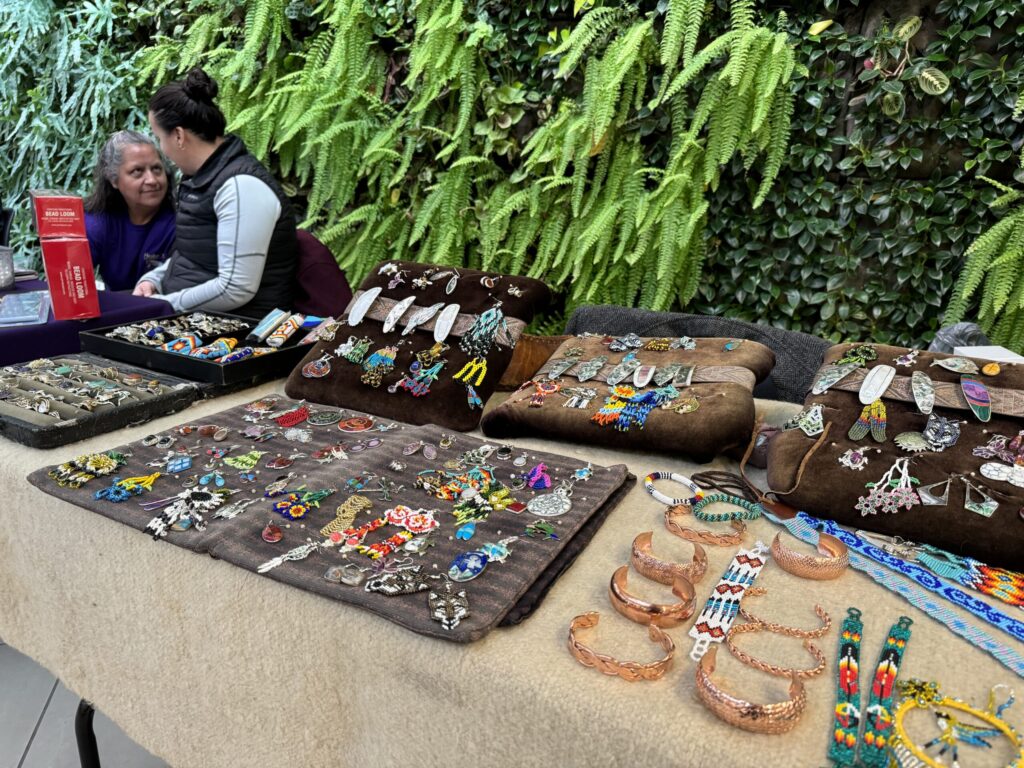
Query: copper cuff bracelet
point(643, 612)
point(758, 718)
point(834, 560)
point(627, 670)
point(664, 572)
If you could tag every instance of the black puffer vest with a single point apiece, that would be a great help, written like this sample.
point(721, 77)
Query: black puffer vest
point(194, 258)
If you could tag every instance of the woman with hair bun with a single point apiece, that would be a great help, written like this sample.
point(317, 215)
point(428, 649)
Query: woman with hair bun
point(236, 248)
point(129, 216)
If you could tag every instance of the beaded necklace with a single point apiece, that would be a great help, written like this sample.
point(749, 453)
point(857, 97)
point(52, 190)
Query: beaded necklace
point(979, 608)
point(1006, 586)
point(1006, 656)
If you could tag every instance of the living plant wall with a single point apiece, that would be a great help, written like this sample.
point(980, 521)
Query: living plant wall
point(867, 226)
point(635, 153)
point(453, 131)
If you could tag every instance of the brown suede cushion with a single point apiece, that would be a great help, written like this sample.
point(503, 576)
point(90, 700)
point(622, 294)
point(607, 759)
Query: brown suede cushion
point(446, 403)
point(722, 383)
point(531, 353)
point(830, 490)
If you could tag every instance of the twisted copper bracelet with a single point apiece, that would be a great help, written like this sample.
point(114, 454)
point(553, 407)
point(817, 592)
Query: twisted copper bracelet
point(758, 718)
point(643, 612)
point(773, 669)
point(835, 558)
point(782, 629)
point(664, 572)
point(697, 535)
point(631, 671)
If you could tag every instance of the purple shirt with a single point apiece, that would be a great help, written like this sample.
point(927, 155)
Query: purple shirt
point(124, 251)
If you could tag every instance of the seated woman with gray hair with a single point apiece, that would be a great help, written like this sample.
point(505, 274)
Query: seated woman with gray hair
point(129, 216)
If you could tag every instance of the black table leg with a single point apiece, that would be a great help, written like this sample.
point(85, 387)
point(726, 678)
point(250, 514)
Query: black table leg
point(88, 753)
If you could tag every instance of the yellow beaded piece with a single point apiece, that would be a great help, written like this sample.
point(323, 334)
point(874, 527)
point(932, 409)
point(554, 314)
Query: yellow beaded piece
point(919, 694)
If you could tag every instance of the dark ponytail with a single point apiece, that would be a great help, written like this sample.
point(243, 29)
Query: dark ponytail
point(189, 104)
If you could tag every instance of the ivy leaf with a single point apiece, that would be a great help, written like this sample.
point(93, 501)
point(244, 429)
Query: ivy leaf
point(819, 26)
point(933, 81)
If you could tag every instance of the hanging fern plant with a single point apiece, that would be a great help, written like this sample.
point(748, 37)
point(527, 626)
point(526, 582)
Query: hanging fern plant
point(415, 145)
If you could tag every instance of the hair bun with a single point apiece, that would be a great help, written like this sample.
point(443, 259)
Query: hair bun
point(199, 86)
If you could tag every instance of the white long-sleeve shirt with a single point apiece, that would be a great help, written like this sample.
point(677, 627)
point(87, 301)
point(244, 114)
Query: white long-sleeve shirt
point(247, 211)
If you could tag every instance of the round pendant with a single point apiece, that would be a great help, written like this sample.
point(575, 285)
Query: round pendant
point(356, 424)
point(262, 406)
point(316, 369)
point(467, 566)
point(550, 504)
point(912, 442)
point(272, 534)
point(323, 418)
point(687, 405)
point(991, 369)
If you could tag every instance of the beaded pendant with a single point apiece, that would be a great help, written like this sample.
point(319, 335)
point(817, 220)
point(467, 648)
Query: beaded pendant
point(378, 365)
point(418, 383)
point(353, 350)
point(293, 417)
point(481, 335)
point(448, 607)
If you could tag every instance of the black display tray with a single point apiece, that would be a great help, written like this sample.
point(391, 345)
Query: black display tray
point(89, 424)
point(269, 366)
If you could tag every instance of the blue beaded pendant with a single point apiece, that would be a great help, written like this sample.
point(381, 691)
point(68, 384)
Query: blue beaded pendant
point(467, 566)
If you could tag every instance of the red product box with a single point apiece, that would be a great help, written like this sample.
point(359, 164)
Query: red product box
point(58, 214)
point(68, 265)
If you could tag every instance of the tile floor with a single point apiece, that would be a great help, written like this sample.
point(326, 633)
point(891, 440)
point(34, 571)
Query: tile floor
point(37, 722)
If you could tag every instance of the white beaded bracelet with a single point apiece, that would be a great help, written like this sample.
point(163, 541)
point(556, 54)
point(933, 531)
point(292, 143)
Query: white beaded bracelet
point(682, 479)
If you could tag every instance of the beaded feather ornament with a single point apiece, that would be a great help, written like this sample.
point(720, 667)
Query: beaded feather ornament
point(872, 419)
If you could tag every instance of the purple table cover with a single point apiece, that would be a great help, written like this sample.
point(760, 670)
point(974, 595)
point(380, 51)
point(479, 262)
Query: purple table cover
point(60, 337)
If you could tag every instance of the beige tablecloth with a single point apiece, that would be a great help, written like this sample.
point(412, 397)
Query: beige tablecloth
point(206, 665)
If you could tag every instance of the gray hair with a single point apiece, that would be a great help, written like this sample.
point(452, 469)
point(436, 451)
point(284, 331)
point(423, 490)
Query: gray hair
point(112, 154)
point(104, 198)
